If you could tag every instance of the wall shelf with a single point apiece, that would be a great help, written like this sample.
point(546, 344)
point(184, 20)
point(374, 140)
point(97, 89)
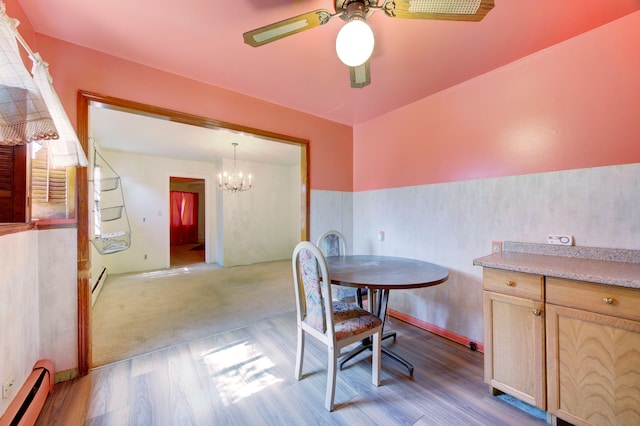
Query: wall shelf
point(112, 232)
point(111, 213)
point(109, 184)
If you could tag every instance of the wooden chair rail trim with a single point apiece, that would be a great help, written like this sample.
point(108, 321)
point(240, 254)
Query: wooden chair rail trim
point(14, 228)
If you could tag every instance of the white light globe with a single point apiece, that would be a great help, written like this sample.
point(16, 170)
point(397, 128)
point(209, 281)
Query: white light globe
point(354, 43)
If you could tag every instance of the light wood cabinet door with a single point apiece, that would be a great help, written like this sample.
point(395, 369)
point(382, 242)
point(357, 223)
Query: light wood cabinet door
point(593, 367)
point(514, 338)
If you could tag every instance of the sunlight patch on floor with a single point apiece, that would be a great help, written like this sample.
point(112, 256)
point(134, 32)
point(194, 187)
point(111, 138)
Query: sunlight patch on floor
point(165, 273)
point(239, 370)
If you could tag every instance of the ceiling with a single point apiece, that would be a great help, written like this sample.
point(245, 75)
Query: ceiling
point(141, 134)
point(202, 40)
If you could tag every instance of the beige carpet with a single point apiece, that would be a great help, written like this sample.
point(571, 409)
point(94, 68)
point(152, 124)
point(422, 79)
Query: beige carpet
point(142, 312)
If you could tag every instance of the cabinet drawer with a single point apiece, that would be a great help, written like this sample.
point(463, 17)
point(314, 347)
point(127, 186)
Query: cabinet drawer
point(517, 284)
point(606, 299)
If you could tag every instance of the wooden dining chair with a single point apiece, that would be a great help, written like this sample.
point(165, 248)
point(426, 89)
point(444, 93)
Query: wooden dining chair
point(337, 324)
point(333, 243)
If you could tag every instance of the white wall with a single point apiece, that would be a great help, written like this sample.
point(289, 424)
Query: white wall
point(257, 226)
point(262, 224)
point(145, 185)
point(19, 308)
point(451, 224)
point(38, 303)
point(57, 277)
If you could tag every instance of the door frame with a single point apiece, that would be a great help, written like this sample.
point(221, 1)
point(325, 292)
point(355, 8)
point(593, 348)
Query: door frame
point(202, 181)
point(86, 99)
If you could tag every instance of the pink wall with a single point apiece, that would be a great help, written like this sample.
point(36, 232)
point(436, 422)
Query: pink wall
point(574, 105)
point(76, 68)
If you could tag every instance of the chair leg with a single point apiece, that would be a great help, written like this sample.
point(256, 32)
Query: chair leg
point(332, 366)
point(299, 353)
point(376, 354)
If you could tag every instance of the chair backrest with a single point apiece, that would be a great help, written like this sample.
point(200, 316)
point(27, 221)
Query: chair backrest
point(313, 293)
point(332, 243)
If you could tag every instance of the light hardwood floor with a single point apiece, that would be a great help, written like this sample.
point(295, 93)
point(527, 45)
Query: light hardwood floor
point(246, 377)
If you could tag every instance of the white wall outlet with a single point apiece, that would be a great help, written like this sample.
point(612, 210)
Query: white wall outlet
point(7, 386)
point(381, 236)
point(563, 240)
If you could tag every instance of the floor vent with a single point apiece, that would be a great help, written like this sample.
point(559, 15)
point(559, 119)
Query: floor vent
point(26, 406)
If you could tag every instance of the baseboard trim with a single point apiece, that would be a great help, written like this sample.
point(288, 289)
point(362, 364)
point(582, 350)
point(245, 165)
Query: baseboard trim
point(63, 376)
point(462, 340)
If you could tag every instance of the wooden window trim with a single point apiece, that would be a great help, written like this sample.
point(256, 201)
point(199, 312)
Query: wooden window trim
point(14, 228)
point(56, 223)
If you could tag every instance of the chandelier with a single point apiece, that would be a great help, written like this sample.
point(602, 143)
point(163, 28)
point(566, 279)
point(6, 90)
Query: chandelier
point(234, 181)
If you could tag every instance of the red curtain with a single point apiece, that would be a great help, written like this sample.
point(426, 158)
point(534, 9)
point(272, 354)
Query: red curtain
point(184, 217)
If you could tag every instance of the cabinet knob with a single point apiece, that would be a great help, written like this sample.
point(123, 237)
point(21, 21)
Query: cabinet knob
point(510, 283)
point(607, 300)
point(536, 312)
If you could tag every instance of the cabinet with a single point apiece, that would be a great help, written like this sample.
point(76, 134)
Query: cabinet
point(514, 335)
point(593, 352)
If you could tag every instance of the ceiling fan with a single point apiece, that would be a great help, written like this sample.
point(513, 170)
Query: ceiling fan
point(355, 40)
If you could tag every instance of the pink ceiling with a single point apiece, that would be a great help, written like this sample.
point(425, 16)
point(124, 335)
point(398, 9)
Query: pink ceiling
point(202, 40)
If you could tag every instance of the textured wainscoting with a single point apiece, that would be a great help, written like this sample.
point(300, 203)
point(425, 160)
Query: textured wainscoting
point(453, 223)
point(331, 210)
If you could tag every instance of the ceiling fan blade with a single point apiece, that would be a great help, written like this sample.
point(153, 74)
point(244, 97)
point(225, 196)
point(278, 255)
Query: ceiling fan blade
point(360, 75)
point(281, 29)
point(453, 10)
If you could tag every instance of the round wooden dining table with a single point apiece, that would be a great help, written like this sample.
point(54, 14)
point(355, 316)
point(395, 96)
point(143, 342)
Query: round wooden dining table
point(383, 274)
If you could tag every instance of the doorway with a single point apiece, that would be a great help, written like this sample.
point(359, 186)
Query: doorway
point(187, 221)
point(85, 100)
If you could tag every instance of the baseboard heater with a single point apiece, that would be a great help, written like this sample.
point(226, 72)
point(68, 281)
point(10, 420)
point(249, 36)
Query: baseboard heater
point(27, 405)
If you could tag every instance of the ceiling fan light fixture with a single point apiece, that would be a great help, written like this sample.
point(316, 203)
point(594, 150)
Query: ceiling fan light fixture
point(355, 41)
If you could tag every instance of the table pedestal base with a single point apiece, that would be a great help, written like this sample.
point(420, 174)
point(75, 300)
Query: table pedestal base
point(366, 344)
point(378, 306)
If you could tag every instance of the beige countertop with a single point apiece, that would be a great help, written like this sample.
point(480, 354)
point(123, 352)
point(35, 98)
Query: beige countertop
point(594, 267)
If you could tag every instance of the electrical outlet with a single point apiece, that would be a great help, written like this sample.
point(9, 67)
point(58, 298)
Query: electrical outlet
point(6, 387)
point(496, 247)
point(562, 240)
point(381, 236)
